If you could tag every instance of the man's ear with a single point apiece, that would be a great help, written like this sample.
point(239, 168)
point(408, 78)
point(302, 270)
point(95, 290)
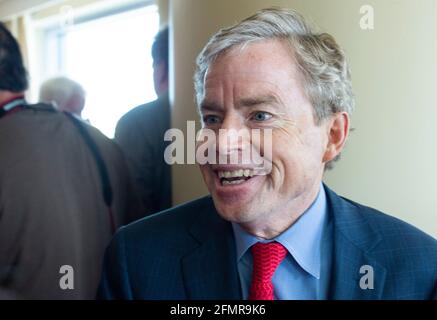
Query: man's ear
point(338, 131)
point(160, 75)
point(163, 72)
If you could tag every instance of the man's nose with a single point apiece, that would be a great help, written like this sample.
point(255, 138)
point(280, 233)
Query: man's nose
point(233, 136)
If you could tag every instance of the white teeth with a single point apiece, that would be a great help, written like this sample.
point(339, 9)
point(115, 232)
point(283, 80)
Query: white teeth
point(235, 173)
point(227, 182)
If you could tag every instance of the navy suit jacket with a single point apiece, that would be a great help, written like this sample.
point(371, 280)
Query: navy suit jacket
point(188, 252)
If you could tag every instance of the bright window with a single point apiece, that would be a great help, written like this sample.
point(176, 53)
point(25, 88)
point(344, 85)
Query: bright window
point(110, 57)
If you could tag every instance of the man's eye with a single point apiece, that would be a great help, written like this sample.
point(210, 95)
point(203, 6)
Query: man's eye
point(261, 116)
point(210, 119)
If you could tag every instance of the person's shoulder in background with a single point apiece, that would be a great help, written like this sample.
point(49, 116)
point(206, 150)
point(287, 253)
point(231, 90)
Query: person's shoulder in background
point(145, 117)
point(126, 200)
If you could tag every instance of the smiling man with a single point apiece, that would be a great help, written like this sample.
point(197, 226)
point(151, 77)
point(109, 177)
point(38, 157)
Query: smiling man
point(278, 233)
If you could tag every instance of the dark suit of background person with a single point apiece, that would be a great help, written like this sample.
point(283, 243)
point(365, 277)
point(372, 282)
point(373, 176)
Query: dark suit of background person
point(334, 248)
point(52, 212)
point(140, 134)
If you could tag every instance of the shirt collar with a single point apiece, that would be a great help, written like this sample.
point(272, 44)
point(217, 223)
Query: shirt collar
point(302, 240)
point(11, 101)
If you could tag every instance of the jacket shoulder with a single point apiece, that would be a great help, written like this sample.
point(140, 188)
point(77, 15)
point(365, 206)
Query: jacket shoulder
point(408, 254)
point(392, 229)
point(403, 249)
point(145, 113)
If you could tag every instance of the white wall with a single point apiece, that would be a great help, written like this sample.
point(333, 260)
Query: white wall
point(390, 161)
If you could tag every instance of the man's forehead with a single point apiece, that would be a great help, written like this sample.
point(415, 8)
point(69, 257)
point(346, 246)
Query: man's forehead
point(256, 50)
point(243, 87)
point(261, 59)
point(248, 83)
point(247, 80)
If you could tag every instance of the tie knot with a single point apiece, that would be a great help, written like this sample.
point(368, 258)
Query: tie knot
point(266, 259)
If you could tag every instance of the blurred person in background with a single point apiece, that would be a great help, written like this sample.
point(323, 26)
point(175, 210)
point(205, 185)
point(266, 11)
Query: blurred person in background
point(65, 94)
point(140, 134)
point(64, 190)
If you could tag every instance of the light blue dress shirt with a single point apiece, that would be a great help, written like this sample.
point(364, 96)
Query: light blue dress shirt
point(307, 241)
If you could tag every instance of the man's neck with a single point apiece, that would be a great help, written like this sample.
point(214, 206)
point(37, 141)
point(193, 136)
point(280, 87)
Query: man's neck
point(280, 221)
point(162, 89)
point(6, 96)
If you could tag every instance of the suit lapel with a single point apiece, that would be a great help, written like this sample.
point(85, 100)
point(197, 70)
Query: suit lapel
point(210, 270)
point(352, 269)
point(353, 266)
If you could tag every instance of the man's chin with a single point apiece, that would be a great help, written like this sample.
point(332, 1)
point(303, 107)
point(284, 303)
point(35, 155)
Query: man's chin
point(237, 203)
point(236, 212)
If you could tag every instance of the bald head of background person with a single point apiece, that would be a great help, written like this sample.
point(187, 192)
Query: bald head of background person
point(65, 94)
point(54, 219)
point(271, 229)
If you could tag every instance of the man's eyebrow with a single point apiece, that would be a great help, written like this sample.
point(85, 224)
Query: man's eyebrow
point(255, 101)
point(209, 106)
point(244, 102)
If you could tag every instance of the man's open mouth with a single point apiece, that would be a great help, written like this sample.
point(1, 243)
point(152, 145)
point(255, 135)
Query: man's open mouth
point(235, 177)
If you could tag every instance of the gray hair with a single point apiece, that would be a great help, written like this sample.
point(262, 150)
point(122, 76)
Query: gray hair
point(324, 69)
point(320, 59)
point(58, 91)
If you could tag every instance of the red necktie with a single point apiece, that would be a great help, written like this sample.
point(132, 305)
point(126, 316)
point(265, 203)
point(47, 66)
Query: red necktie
point(266, 258)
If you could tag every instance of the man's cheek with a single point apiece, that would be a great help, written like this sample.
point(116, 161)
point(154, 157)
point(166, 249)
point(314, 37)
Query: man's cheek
point(206, 174)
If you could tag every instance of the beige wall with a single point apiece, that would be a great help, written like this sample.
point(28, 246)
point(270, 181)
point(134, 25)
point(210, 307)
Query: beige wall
point(163, 7)
point(390, 160)
point(10, 8)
